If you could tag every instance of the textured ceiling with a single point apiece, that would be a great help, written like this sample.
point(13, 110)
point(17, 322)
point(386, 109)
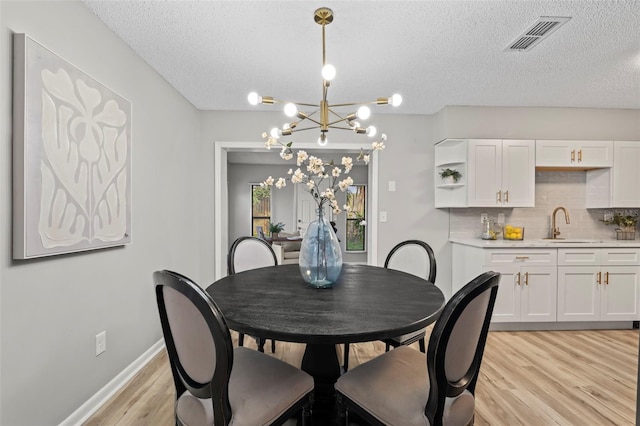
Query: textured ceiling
point(434, 53)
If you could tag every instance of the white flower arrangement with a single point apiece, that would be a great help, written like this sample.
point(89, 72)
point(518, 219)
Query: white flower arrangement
point(312, 171)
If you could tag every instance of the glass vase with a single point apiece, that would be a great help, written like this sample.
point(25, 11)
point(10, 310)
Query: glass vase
point(320, 255)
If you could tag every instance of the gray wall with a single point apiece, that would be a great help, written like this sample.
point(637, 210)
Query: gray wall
point(52, 308)
point(407, 160)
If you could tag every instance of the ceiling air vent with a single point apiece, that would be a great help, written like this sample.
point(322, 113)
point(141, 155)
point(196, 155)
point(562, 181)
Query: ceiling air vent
point(537, 32)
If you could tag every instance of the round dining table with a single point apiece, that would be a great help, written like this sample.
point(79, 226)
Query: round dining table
point(367, 303)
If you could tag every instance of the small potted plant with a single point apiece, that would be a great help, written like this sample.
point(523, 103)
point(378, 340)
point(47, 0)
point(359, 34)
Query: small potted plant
point(275, 229)
point(450, 175)
point(626, 223)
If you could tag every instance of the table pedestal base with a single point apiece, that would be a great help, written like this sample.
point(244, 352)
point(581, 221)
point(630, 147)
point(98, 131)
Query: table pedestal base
point(321, 362)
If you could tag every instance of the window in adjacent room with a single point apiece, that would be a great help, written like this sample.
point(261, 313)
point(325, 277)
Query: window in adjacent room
point(356, 218)
point(260, 208)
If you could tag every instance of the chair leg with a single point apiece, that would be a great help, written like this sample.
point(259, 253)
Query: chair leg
point(241, 339)
point(306, 414)
point(273, 346)
point(261, 342)
point(341, 413)
point(422, 346)
point(345, 361)
point(388, 346)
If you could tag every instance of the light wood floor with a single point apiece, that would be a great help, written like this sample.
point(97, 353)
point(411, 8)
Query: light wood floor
point(527, 378)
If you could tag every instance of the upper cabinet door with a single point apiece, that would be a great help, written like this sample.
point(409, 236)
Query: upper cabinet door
point(518, 173)
point(564, 154)
point(485, 173)
point(626, 174)
point(594, 153)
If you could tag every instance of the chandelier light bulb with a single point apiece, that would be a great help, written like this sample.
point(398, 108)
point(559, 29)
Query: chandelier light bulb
point(371, 131)
point(276, 133)
point(290, 110)
point(363, 113)
point(323, 140)
point(395, 100)
point(254, 98)
point(328, 72)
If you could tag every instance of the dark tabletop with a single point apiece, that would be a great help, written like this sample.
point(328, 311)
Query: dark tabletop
point(366, 303)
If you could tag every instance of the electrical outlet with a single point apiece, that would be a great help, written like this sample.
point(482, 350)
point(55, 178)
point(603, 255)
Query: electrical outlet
point(483, 217)
point(101, 342)
point(501, 218)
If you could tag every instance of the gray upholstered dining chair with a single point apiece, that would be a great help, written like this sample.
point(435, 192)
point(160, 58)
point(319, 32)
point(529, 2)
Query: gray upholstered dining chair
point(215, 383)
point(251, 253)
point(403, 387)
point(413, 257)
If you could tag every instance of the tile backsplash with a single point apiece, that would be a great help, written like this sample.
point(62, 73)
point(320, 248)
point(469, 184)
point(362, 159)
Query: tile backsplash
point(553, 189)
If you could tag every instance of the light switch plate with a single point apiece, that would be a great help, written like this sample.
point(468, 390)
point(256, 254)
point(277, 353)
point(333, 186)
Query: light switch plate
point(383, 216)
point(392, 186)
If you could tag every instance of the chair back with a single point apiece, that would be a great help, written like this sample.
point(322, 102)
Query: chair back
point(250, 253)
point(456, 347)
point(198, 341)
point(413, 257)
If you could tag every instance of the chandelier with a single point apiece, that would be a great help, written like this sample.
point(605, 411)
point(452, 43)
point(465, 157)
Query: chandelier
point(325, 116)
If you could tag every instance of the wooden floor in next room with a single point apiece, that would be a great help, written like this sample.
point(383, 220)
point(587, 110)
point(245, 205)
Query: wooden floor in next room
point(527, 378)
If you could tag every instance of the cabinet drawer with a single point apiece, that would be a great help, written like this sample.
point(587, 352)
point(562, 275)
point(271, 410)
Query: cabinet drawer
point(620, 256)
point(503, 257)
point(579, 257)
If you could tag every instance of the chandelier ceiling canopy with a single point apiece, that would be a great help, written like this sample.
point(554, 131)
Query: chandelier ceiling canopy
point(325, 116)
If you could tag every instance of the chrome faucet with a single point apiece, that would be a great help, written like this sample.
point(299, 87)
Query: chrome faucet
point(555, 231)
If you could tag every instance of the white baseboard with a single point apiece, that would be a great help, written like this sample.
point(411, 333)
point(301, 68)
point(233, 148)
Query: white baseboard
point(94, 403)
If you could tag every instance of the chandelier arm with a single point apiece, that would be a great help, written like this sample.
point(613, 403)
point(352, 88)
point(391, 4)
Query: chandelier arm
point(304, 128)
point(354, 103)
point(340, 128)
point(278, 101)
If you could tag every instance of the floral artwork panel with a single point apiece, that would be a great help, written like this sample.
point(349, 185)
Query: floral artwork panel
point(72, 157)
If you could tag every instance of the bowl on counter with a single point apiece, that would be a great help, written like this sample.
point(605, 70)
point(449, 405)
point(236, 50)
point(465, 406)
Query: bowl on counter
point(513, 233)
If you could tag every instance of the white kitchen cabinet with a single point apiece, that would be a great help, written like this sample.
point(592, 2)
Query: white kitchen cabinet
point(599, 284)
point(500, 173)
point(567, 154)
point(616, 187)
point(528, 282)
point(527, 290)
point(525, 294)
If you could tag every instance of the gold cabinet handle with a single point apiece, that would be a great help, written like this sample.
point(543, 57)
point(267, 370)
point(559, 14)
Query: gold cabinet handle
point(506, 196)
point(499, 196)
point(573, 155)
point(518, 278)
point(580, 156)
point(606, 278)
point(599, 278)
point(522, 257)
point(526, 278)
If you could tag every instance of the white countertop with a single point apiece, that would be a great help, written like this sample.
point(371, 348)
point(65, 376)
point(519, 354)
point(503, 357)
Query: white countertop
point(541, 243)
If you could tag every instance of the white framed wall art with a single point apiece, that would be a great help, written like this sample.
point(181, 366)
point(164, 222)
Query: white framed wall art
point(71, 157)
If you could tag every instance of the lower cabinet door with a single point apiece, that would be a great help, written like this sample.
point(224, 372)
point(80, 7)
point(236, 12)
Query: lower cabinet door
point(619, 293)
point(538, 294)
point(507, 306)
point(579, 293)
